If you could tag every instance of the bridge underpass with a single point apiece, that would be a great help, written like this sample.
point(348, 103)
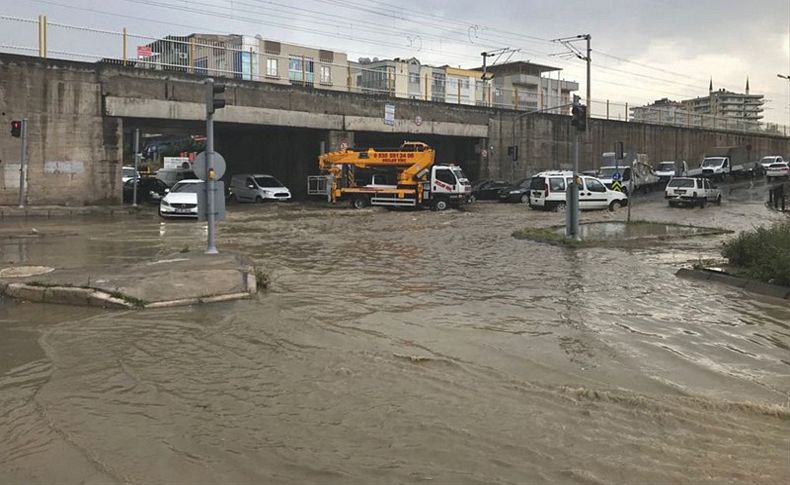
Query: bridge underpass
point(291, 154)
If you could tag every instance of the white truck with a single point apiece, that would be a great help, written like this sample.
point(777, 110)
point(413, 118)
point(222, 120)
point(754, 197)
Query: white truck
point(632, 165)
point(720, 162)
point(668, 169)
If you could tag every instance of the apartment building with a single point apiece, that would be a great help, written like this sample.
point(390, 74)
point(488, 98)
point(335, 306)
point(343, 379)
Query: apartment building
point(522, 85)
point(401, 78)
point(305, 66)
point(727, 104)
point(662, 110)
point(461, 86)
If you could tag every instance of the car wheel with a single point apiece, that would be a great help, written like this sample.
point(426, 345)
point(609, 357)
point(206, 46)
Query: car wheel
point(440, 205)
point(259, 200)
point(615, 205)
point(525, 199)
point(359, 202)
point(703, 202)
point(718, 200)
point(559, 207)
point(238, 199)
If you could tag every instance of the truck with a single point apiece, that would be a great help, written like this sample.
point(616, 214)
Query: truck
point(669, 168)
point(720, 162)
point(632, 165)
point(406, 177)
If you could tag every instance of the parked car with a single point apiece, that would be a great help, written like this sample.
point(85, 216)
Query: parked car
point(516, 193)
point(777, 170)
point(488, 190)
point(547, 191)
point(127, 173)
point(767, 161)
point(258, 188)
point(182, 200)
point(171, 176)
point(149, 190)
point(691, 191)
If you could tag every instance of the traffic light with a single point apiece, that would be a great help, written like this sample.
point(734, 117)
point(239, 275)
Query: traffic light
point(16, 128)
point(579, 116)
point(214, 100)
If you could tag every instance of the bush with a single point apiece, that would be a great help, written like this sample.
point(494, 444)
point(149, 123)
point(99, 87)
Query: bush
point(762, 254)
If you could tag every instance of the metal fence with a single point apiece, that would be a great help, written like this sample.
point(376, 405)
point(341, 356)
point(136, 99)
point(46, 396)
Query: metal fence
point(250, 58)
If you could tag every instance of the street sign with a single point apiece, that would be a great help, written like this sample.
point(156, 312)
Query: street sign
point(200, 167)
point(389, 114)
point(144, 51)
point(617, 176)
point(617, 186)
point(219, 202)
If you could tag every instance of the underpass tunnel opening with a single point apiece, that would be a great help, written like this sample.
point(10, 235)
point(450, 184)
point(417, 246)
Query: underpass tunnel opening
point(449, 149)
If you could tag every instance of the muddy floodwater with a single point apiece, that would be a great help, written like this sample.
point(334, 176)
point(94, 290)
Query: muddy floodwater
point(400, 347)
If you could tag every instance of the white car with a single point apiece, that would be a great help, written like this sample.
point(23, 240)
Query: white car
point(547, 191)
point(777, 170)
point(182, 200)
point(767, 161)
point(128, 174)
point(691, 191)
point(258, 188)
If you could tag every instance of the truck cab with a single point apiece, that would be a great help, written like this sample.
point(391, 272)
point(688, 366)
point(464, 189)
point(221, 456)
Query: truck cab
point(668, 169)
point(715, 166)
point(447, 186)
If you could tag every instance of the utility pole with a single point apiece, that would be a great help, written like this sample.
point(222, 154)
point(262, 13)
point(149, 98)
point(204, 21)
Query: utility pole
point(19, 130)
point(136, 165)
point(499, 53)
point(579, 122)
point(787, 78)
point(574, 51)
point(212, 103)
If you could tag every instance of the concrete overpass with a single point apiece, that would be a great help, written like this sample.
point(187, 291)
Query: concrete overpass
point(81, 116)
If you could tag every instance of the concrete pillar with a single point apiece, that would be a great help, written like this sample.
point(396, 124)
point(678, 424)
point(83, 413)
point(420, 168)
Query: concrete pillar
point(334, 140)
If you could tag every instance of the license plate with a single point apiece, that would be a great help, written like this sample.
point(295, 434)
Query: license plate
point(680, 191)
point(183, 211)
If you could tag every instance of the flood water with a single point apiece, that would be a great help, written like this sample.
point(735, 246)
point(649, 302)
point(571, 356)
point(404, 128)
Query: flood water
point(400, 347)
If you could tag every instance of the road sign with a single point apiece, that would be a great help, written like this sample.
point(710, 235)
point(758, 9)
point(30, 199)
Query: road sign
point(389, 114)
point(617, 186)
point(200, 167)
point(617, 176)
point(219, 202)
point(144, 51)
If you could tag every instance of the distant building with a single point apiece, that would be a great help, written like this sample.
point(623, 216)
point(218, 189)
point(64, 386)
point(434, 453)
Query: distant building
point(293, 64)
point(463, 86)
point(521, 85)
point(662, 110)
point(727, 104)
point(402, 78)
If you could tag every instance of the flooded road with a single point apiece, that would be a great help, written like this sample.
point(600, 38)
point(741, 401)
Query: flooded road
point(401, 347)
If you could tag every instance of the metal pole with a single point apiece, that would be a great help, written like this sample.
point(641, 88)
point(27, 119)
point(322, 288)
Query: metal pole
point(124, 46)
point(630, 192)
point(211, 183)
point(136, 164)
point(572, 195)
point(23, 165)
point(589, 61)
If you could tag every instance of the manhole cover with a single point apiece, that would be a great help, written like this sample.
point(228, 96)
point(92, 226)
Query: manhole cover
point(24, 271)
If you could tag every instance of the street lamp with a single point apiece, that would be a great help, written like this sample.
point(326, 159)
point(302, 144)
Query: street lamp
point(787, 77)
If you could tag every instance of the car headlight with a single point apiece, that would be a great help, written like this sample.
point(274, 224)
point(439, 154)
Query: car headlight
point(514, 191)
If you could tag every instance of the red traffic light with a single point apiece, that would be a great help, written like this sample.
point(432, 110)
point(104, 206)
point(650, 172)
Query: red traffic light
point(16, 128)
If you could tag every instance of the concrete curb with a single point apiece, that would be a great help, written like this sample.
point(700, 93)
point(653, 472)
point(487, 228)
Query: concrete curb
point(63, 211)
point(775, 291)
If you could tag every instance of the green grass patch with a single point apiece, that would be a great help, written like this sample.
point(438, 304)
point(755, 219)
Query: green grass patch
point(762, 254)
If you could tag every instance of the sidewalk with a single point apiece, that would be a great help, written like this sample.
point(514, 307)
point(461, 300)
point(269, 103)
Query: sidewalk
point(179, 279)
point(8, 211)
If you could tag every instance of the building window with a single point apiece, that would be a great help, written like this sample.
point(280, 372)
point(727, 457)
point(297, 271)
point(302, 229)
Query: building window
point(271, 67)
point(201, 66)
point(301, 69)
point(326, 75)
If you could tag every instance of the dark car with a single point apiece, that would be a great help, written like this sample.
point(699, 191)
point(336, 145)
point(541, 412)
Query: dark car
point(516, 193)
point(149, 190)
point(489, 190)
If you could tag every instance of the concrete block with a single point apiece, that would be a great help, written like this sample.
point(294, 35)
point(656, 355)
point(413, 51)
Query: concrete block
point(727, 279)
point(693, 274)
point(767, 289)
point(67, 296)
point(25, 292)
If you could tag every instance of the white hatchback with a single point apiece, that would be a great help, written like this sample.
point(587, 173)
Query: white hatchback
point(547, 191)
point(182, 200)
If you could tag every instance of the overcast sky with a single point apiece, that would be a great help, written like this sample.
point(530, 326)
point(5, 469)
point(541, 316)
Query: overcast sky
point(642, 50)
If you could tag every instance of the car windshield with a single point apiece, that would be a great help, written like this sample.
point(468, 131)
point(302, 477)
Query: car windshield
point(268, 182)
point(666, 166)
point(681, 183)
point(185, 188)
point(128, 172)
point(768, 159)
point(608, 172)
point(712, 162)
point(459, 174)
point(524, 182)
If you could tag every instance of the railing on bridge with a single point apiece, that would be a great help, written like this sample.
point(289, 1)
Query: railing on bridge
point(247, 58)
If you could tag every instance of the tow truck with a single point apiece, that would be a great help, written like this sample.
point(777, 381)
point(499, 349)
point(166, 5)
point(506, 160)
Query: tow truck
point(392, 177)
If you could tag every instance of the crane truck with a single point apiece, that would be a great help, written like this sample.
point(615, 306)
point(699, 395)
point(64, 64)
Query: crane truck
point(399, 177)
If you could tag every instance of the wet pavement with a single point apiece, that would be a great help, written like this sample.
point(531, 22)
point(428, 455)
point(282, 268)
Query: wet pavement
point(401, 347)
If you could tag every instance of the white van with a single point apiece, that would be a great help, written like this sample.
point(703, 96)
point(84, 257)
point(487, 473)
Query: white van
point(258, 188)
point(547, 191)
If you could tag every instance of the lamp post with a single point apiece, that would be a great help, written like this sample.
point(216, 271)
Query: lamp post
point(787, 78)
